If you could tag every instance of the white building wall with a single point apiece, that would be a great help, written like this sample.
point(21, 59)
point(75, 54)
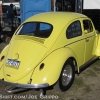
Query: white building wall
point(91, 4)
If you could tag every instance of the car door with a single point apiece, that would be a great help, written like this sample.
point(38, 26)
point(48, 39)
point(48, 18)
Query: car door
point(75, 38)
point(89, 39)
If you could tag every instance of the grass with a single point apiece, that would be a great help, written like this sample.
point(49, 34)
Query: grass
point(79, 82)
point(90, 72)
point(87, 88)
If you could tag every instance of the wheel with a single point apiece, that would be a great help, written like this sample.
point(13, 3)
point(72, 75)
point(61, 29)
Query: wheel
point(7, 40)
point(67, 75)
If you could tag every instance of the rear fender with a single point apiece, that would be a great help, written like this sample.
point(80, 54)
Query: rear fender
point(2, 60)
point(3, 54)
point(53, 65)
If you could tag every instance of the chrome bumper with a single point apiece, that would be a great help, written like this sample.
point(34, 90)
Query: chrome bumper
point(26, 86)
point(16, 87)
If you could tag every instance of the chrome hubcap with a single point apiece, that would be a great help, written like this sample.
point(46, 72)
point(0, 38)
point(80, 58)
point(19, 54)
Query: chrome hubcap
point(66, 75)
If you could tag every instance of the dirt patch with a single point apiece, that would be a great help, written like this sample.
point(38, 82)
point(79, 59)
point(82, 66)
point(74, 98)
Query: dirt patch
point(86, 86)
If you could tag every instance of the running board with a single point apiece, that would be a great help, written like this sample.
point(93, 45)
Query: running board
point(83, 67)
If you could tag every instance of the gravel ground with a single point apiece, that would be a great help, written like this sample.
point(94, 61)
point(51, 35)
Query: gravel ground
point(85, 87)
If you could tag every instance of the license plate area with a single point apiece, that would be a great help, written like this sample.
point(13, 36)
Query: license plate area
point(12, 63)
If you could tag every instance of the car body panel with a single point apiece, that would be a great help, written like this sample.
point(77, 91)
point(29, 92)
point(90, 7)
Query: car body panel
point(18, 54)
point(52, 67)
point(89, 44)
point(97, 51)
point(4, 53)
point(72, 44)
point(42, 59)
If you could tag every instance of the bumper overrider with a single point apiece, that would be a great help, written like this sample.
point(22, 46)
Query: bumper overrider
point(16, 87)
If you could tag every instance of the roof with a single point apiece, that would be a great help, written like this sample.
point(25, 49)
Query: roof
point(53, 17)
point(57, 19)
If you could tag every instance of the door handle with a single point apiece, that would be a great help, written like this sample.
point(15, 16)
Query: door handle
point(86, 40)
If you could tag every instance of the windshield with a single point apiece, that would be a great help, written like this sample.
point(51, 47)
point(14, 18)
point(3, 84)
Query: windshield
point(38, 29)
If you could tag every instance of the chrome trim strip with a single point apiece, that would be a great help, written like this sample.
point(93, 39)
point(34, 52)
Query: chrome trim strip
point(79, 40)
point(27, 86)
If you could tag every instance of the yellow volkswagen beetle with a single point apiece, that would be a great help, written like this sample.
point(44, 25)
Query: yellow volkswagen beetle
point(46, 50)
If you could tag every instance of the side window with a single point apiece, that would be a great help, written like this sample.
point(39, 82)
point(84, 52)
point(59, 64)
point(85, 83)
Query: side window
point(87, 25)
point(74, 30)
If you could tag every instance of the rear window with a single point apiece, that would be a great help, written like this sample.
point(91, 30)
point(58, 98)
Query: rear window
point(38, 29)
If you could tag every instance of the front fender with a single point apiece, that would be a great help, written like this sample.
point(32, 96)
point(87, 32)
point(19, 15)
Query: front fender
point(53, 64)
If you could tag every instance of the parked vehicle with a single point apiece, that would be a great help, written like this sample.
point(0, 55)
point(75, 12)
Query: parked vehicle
point(46, 50)
point(6, 30)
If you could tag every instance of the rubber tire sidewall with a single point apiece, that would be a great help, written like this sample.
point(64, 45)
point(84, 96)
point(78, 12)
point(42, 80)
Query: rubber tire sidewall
point(64, 88)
